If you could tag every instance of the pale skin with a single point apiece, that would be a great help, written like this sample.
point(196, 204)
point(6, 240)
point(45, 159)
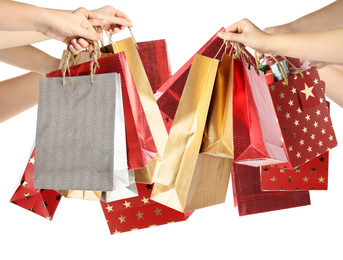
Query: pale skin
point(305, 38)
point(20, 93)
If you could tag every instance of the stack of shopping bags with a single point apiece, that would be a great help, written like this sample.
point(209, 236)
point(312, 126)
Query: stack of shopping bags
point(115, 126)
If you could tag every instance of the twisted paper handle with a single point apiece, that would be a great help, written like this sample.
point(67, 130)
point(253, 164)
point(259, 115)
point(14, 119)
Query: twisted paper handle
point(95, 55)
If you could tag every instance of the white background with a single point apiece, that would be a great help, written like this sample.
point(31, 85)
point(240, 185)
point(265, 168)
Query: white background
point(79, 229)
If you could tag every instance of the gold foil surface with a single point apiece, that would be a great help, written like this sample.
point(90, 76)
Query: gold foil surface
point(218, 134)
point(177, 172)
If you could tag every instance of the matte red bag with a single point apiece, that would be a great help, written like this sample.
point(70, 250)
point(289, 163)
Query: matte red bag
point(140, 144)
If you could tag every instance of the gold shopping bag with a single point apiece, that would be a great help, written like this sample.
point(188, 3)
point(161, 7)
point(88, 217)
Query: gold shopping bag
point(188, 180)
point(218, 135)
point(151, 109)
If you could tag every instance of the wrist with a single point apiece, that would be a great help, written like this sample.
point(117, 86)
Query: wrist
point(43, 19)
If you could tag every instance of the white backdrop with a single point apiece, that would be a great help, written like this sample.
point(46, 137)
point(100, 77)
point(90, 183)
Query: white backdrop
point(79, 228)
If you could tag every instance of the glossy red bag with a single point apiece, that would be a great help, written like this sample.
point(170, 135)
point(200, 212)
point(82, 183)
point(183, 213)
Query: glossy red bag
point(169, 94)
point(140, 144)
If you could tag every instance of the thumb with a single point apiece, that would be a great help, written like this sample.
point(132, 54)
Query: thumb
point(229, 36)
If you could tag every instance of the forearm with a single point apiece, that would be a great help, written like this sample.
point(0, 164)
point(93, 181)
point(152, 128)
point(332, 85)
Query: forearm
point(18, 94)
point(29, 58)
point(325, 18)
point(333, 78)
point(14, 39)
point(17, 16)
point(321, 46)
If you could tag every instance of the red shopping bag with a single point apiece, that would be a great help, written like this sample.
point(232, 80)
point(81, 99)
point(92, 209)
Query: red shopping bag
point(250, 199)
point(155, 60)
point(168, 96)
point(139, 212)
point(302, 129)
point(140, 144)
point(312, 175)
point(39, 201)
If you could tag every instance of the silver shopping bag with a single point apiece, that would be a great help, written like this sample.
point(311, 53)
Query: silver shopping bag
point(77, 142)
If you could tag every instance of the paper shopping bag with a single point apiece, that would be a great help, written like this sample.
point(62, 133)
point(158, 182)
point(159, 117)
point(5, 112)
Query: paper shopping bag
point(151, 109)
point(312, 175)
point(183, 182)
point(218, 134)
point(169, 94)
point(257, 136)
point(155, 61)
point(42, 202)
point(139, 212)
point(250, 199)
point(76, 145)
point(304, 125)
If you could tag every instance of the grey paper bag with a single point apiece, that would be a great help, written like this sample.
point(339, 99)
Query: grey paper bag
point(75, 140)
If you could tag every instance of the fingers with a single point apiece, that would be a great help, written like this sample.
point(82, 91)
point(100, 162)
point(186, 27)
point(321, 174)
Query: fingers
point(97, 22)
point(233, 37)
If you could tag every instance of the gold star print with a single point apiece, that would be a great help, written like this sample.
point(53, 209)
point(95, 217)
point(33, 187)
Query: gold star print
point(299, 110)
point(305, 179)
point(152, 225)
point(313, 136)
point(307, 160)
point(330, 137)
point(278, 108)
point(127, 204)
point(294, 90)
point(296, 122)
point(116, 232)
point(158, 211)
point(323, 131)
point(139, 215)
point(317, 154)
point(48, 218)
point(298, 155)
point(282, 170)
point(289, 179)
point(328, 149)
point(273, 179)
point(295, 77)
point(309, 149)
point(122, 218)
point(318, 112)
point(272, 88)
point(305, 129)
point(27, 196)
point(315, 81)
point(133, 228)
point(308, 73)
point(315, 124)
point(290, 103)
point(109, 208)
point(32, 160)
point(293, 135)
point(326, 119)
point(265, 169)
point(301, 142)
point(145, 200)
point(321, 179)
point(307, 117)
point(320, 143)
point(297, 169)
point(307, 91)
point(282, 95)
point(170, 221)
point(290, 148)
point(288, 115)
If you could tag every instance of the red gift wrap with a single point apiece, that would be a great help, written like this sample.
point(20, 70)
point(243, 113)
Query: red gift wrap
point(139, 212)
point(39, 201)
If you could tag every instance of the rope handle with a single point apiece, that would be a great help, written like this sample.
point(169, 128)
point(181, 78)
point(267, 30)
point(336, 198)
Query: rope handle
point(95, 55)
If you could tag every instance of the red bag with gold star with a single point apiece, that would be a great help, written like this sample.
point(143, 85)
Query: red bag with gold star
point(139, 212)
point(39, 201)
point(302, 130)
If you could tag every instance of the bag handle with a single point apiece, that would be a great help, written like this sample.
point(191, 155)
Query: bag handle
point(282, 70)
